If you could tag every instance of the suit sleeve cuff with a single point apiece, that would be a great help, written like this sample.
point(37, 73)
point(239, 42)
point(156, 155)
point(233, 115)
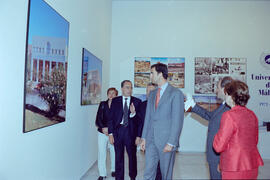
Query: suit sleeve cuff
point(171, 145)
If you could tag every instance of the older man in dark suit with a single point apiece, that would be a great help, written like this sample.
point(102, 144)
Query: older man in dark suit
point(214, 118)
point(124, 129)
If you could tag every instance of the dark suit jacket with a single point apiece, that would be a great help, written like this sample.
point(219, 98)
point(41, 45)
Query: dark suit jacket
point(214, 118)
point(102, 115)
point(116, 116)
point(142, 113)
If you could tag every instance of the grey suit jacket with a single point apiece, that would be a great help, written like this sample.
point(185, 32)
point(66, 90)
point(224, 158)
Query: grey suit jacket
point(164, 124)
point(214, 118)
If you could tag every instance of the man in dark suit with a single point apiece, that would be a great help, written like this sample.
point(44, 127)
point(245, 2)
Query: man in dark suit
point(214, 118)
point(150, 87)
point(124, 129)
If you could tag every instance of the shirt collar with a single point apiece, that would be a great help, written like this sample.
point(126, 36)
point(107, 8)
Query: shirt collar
point(164, 86)
point(128, 98)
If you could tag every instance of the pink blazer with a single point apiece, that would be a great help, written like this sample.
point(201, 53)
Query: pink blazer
point(237, 140)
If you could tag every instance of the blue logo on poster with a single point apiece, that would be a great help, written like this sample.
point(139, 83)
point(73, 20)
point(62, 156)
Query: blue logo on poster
point(265, 60)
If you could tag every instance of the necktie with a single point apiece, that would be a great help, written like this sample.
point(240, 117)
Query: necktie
point(157, 98)
point(125, 116)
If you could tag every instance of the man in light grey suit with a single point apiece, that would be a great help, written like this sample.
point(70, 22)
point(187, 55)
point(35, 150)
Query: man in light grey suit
point(163, 124)
point(214, 118)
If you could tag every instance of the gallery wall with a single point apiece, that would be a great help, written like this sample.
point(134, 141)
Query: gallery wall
point(191, 29)
point(66, 150)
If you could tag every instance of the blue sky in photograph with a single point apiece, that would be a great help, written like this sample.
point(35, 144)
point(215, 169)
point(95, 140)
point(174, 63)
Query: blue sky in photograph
point(45, 21)
point(155, 60)
point(176, 60)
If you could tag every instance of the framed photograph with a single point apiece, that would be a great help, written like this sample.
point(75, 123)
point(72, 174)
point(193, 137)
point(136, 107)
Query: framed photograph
point(91, 78)
point(209, 70)
point(46, 61)
point(176, 70)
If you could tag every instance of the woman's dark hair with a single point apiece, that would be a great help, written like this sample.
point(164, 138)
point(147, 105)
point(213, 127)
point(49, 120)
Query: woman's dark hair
point(161, 68)
point(112, 89)
point(239, 92)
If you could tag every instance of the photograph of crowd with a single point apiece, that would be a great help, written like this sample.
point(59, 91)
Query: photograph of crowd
point(208, 71)
point(176, 70)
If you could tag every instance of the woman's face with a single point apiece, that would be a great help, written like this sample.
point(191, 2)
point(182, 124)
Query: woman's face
point(229, 100)
point(111, 94)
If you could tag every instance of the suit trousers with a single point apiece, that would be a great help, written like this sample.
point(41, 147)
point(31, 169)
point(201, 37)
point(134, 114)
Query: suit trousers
point(103, 144)
point(214, 174)
point(153, 155)
point(122, 140)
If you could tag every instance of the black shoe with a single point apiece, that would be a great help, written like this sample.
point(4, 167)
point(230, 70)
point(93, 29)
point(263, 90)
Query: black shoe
point(113, 174)
point(101, 178)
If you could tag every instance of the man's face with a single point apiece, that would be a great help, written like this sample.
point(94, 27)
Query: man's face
point(154, 76)
point(220, 91)
point(111, 94)
point(148, 89)
point(127, 89)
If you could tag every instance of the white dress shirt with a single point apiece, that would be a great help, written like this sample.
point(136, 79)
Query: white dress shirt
point(163, 88)
point(128, 104)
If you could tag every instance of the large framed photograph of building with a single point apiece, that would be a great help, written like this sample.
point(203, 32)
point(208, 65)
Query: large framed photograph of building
point(46, 63)
point(91, 78)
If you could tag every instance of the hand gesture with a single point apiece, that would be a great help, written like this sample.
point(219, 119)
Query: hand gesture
point(189, 103)
point(132, 108)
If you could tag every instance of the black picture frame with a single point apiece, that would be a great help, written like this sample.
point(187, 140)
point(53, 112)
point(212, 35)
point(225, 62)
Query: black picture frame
point(91, 79)
point(46, 56)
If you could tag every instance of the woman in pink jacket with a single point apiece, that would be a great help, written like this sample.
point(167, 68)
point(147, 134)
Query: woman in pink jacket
point(237, 137)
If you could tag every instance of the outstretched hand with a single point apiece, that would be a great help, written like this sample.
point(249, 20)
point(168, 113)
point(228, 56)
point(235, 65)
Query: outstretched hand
point(189, 103)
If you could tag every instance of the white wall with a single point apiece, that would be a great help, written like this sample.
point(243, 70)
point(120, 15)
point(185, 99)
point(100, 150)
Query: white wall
point(188, 29)
point(66, 150)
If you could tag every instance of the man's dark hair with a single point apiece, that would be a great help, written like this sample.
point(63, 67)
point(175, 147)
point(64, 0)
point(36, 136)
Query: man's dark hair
point(225, 80)
point(123, 83)
point(161, 68)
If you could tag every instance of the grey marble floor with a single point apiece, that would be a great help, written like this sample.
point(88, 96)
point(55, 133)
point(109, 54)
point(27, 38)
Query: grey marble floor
point(187, 166)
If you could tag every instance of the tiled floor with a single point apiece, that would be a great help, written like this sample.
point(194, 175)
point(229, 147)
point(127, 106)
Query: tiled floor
point(187, 166)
